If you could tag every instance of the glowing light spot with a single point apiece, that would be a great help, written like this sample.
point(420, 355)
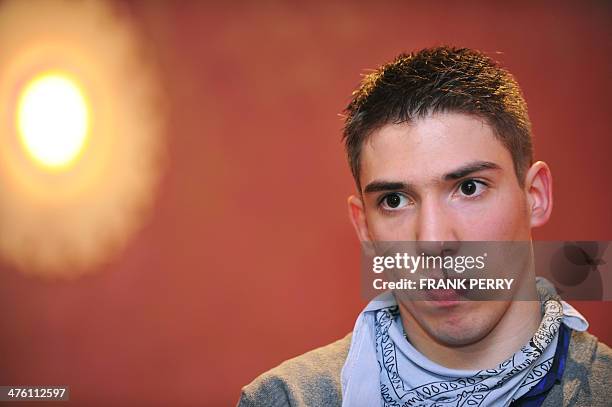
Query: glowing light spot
point(53, 120)
point(82, 135)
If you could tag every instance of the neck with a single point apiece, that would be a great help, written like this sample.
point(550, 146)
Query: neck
point(516, 327)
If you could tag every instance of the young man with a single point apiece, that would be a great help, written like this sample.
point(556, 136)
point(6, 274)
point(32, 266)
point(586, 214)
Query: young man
point(439, 143)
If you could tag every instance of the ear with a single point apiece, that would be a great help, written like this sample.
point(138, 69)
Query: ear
point(357, 215)
point(538, 186)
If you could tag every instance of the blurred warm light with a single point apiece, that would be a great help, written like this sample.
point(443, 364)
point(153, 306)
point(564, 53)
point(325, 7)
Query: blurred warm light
point(81, 135)
point(52, 117)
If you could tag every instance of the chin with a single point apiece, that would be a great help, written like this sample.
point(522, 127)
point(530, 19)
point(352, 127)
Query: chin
point(456, 338)
point(465, 324)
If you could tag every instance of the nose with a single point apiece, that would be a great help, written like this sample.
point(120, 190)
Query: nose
point(435, 230)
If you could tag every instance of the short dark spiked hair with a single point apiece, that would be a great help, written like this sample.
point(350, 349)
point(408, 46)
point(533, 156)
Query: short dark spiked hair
point(441, 79)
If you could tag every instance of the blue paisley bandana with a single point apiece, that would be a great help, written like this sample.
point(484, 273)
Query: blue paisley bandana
point(384, 369)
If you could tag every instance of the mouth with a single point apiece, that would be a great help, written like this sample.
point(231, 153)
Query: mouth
point(445, 291)
point(443, 298)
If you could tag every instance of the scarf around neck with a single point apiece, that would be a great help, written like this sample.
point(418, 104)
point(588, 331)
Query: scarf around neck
point(384, 369)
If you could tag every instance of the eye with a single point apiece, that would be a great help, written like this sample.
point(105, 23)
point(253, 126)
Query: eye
point(472, 188)
point(393, 201)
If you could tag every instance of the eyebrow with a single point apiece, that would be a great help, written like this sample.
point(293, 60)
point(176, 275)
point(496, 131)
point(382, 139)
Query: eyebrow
point(381, 186)
point(469, 169)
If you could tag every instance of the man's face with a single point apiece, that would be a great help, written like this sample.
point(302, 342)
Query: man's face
point(445, 177)
point(455, 181)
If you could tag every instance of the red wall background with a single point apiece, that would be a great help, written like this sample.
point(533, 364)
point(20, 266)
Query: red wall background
point(248, 257)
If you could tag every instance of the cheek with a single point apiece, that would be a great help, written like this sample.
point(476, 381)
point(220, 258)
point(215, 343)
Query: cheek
point(503, 218)
point(389, 228)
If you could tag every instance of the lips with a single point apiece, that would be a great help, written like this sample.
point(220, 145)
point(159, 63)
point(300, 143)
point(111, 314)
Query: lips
point(443, 295)
point(443, 298)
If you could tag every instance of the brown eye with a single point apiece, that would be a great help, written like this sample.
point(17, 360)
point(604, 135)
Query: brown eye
point(472, 188)
point(468, 187)
point(393, 200)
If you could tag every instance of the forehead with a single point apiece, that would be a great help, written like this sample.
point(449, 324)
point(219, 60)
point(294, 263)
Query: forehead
point(429, 147)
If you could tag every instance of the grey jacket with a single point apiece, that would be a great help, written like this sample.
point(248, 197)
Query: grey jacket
point(313, 379)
